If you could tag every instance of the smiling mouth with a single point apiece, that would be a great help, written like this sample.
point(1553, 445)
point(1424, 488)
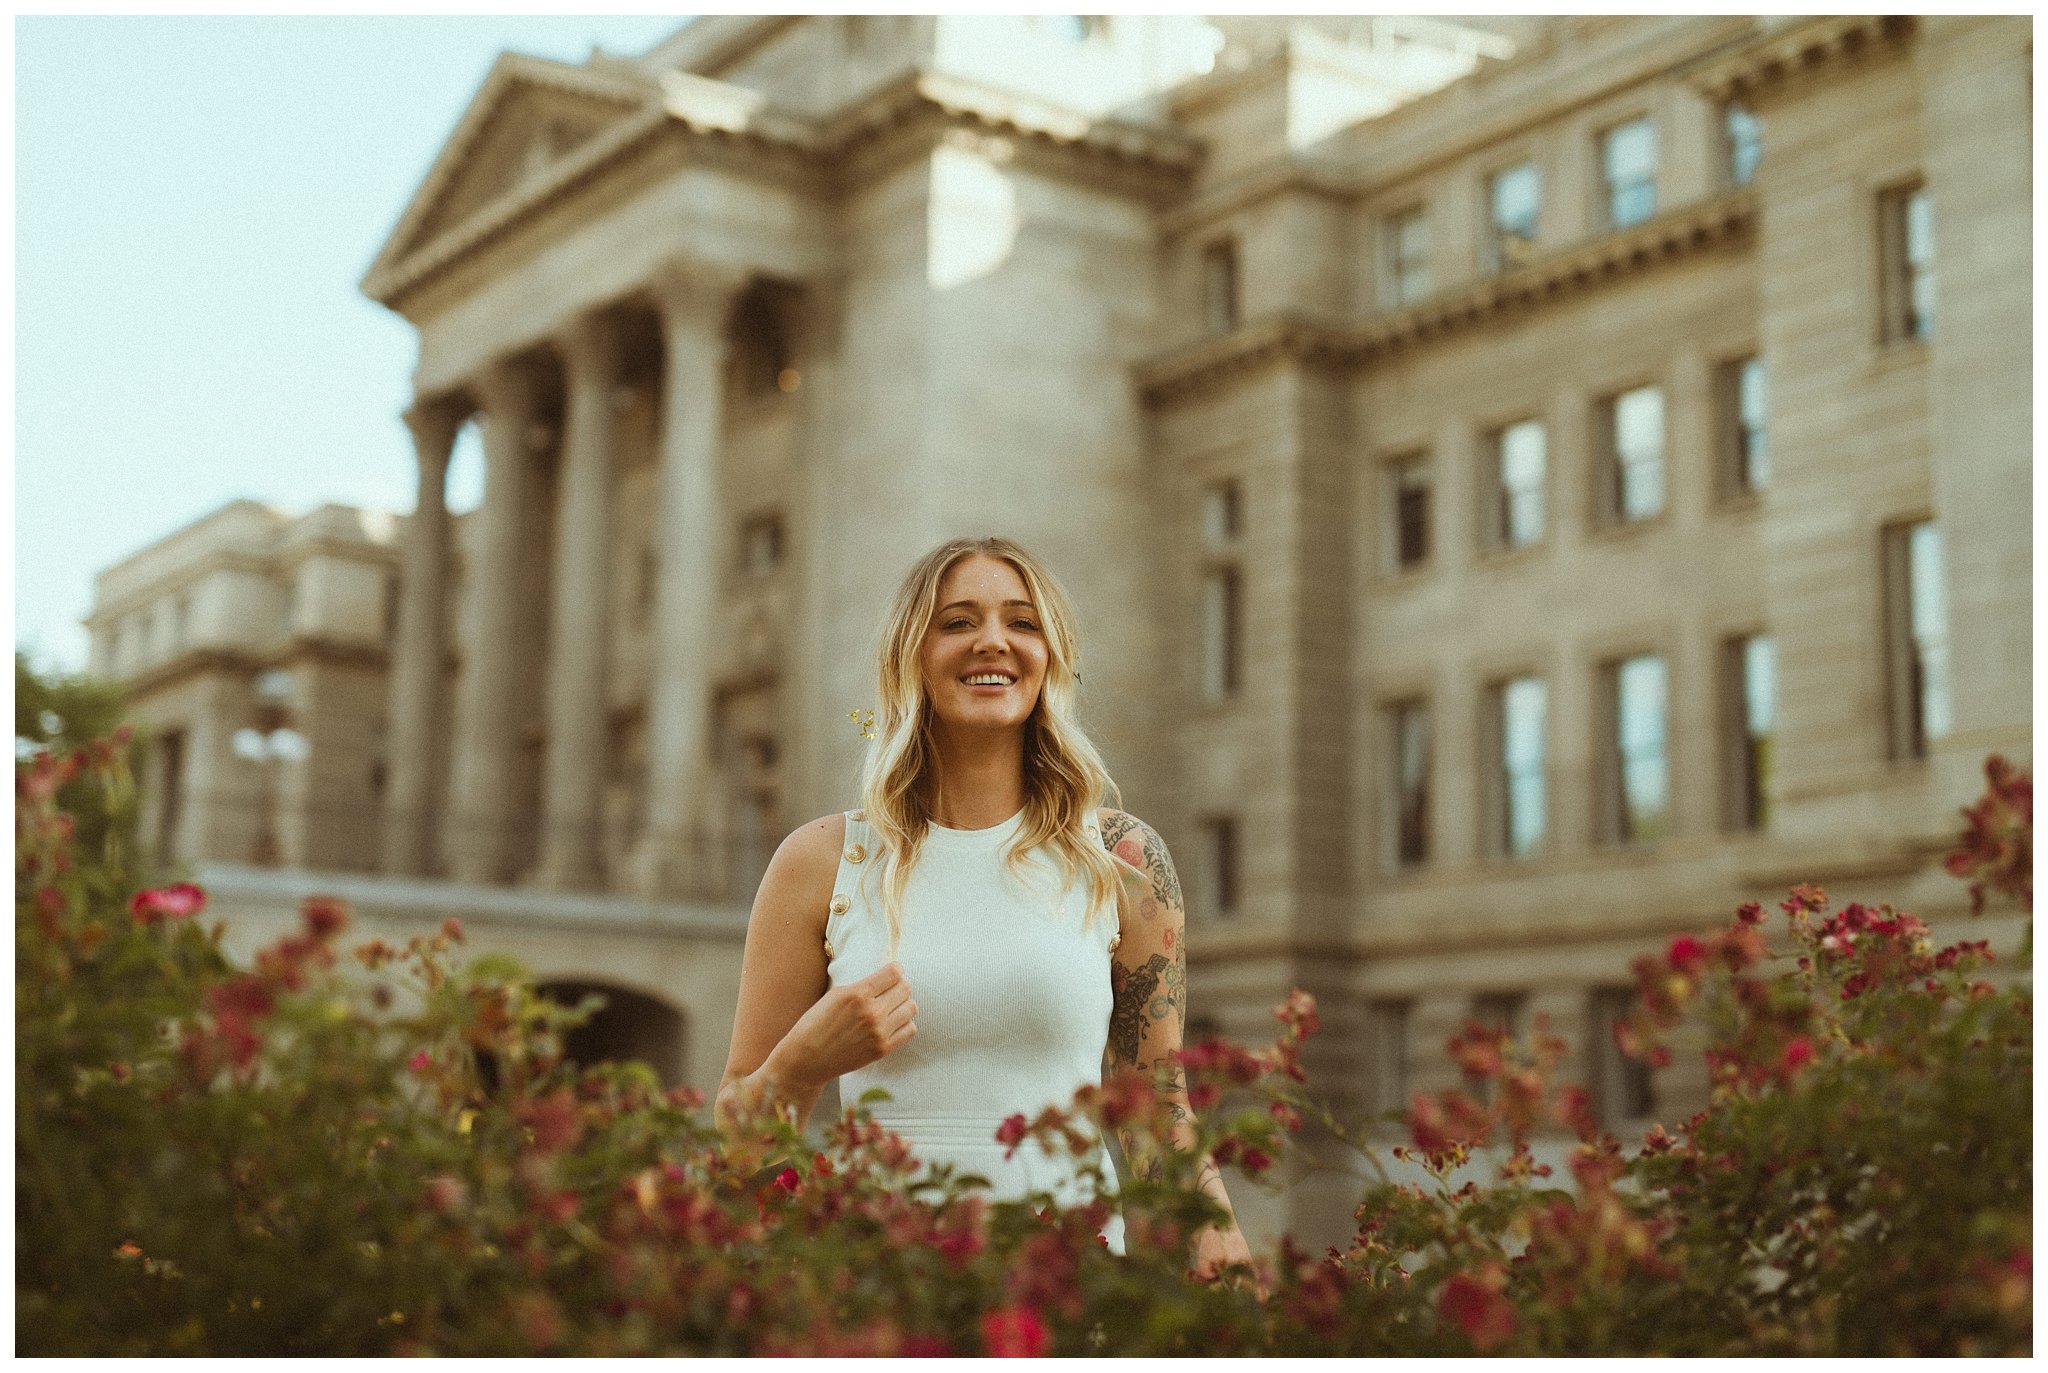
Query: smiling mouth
point(989, 679)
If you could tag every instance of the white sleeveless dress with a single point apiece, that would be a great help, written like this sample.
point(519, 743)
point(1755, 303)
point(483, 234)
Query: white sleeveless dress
point(1013, 1001)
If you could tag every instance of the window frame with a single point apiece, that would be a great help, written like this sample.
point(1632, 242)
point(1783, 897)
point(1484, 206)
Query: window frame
point(1395, 472)
point(1220, 617)
point(1398, 853)
point(1222, 272)
point(1732, 146)
point(1741, 473)
point(1920, 695)
point(1220, 897)
point(1499, 259)
point(1610, 189)
point(1498, 785)
point(1907, 318)
point(1608, 1068)
point(1389, 1022)
point(1398, 272)
point(1745, 750)
point(1617, 822)
point(1614, 465)
point(1497, 499)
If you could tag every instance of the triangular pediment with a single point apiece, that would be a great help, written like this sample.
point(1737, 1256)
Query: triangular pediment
point(528, 116)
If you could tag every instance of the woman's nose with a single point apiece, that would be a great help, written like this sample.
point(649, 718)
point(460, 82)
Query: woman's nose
point(991, 636)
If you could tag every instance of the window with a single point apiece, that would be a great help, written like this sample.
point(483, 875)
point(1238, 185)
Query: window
point(1918, 637)
point(1906, 240)
point(170, 799)
point(1638, 783)
point(1515, 478)
point(1745, 442)
point(1408, 748)
point(1628, 162)
point(1219, 286)
point(1502, 1011)
point(1222, 632)
point(1216, 893)
point(1386, 1031)
point(1632, 425)
point(1516, 200)
point(1621, 1085)
point(1750, 670)
point(1406, 257)
point(1407, 485)
point(1516, 803)
point(1745, 144)
point(1222, 591)
point(760, 544)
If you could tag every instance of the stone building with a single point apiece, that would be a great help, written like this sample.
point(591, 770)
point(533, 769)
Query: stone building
point(1527, 488)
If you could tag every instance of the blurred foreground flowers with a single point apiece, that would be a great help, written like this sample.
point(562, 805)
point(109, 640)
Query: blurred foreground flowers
point(373, 1149)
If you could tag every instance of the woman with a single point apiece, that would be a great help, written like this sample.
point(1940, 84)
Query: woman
point(977, 933)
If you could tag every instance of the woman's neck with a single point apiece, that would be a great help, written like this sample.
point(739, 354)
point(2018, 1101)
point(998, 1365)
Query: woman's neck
point(979, 780)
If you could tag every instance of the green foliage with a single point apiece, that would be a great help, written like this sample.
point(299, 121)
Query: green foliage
point(283, 1159)
point(62, 715)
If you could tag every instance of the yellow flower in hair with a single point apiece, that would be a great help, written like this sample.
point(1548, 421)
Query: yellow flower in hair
point(865, 719)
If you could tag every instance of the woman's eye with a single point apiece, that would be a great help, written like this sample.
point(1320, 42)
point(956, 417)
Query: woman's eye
point(1025, 624)
point(956, 623)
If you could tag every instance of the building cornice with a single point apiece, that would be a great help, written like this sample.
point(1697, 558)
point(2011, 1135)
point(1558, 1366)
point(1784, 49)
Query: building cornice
point(246, 660)
point(1781, 59)
point(724, 127)
point(1679, 234)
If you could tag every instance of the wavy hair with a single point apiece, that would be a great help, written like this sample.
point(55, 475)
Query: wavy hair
point(1064, 776)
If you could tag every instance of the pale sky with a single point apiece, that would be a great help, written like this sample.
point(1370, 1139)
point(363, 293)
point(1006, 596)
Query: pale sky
point(195, 201)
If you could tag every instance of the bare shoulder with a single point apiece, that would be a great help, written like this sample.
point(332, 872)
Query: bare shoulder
point(1139, 845)
point(798, 883)
point(816, 843)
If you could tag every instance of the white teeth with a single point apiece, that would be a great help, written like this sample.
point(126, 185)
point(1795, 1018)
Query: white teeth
point(989, 679)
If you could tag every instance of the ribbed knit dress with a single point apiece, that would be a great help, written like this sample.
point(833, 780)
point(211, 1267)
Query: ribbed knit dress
point(1013, 1000)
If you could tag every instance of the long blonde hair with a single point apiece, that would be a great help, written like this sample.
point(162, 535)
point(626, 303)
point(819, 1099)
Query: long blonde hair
point(1064, 777)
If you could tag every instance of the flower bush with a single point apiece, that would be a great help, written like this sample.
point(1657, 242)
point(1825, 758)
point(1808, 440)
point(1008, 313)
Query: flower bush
point(367, 1149)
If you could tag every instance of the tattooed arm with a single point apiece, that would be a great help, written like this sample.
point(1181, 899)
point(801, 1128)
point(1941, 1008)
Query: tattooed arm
point(1149, 1014)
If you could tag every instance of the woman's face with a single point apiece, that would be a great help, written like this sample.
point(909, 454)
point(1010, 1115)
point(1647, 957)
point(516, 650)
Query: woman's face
point(984, 654)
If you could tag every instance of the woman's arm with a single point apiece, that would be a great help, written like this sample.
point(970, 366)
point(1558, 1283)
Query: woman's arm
point(792, 1032)
point(1148, 1020)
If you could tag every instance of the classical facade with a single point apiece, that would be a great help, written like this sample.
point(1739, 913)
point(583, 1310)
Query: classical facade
point(1527, 489)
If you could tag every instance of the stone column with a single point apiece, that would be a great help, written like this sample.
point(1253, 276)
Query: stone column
point(479, 834)
point(417, 738)
point(675, 855)
point(574, 771)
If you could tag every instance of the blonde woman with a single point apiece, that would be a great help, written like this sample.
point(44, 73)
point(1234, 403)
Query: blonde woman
point(976, 935)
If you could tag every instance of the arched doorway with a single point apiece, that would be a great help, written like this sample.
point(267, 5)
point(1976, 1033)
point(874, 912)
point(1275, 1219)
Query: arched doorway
point(629, 1026)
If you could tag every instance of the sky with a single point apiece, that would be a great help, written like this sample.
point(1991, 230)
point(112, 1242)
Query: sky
point(196, 200)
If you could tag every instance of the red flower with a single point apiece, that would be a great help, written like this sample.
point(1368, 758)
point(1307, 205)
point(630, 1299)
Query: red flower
point(1798, 1053)
point(789, 1181)
point(324, 916)
point(175, 902)
point(421, 1063)
point(1011, 1131)
point(1015, 1332)
point(1686, 955)
point(1474, 1303)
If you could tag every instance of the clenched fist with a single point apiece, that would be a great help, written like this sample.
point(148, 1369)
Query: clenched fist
point(847, 1028)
